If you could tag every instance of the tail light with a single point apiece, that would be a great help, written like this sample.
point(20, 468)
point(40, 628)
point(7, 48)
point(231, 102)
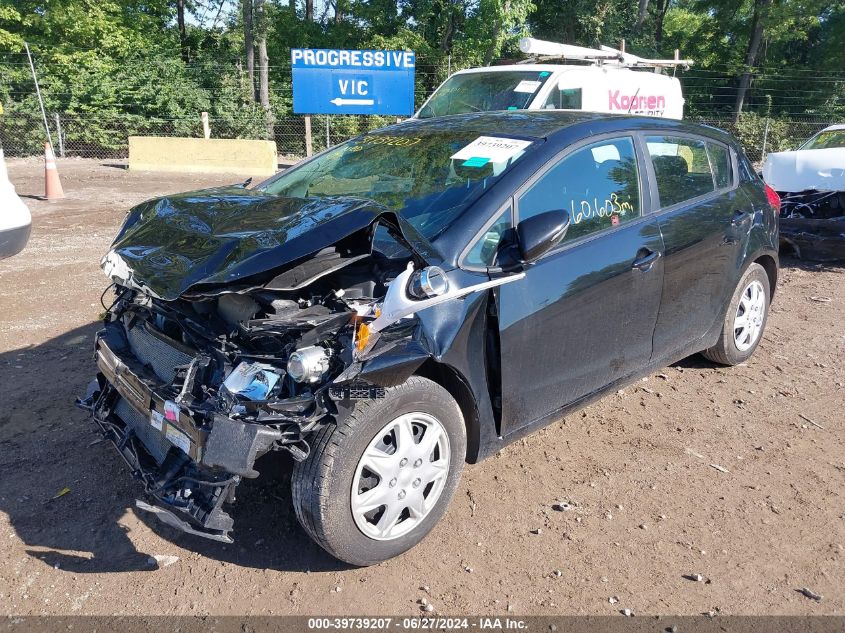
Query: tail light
point(773, 198)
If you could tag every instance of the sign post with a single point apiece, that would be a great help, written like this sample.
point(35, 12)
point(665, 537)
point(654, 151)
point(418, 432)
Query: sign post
point(353, 82)
point(309, 145)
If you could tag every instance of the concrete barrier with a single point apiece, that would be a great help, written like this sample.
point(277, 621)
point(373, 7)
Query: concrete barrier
point(232, 156)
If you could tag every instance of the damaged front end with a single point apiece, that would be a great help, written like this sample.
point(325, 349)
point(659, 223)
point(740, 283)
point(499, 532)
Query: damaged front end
point(198, 379)
point(812, 223)
point(192, 403)
point(811, 184)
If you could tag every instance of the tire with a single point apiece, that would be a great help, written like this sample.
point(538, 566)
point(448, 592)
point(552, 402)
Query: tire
point(737, 344)
point(322, 485)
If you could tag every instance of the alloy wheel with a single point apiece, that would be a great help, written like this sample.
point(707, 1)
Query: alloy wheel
point(748, 322)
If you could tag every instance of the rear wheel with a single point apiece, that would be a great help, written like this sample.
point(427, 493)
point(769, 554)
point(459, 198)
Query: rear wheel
point(745, 319)
point(377, 482)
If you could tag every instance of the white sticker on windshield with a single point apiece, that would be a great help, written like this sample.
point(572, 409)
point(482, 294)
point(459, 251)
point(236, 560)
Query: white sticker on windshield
point(493, 148)
point(527, 86)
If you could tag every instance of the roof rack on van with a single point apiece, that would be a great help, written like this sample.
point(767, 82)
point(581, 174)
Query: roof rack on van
point(542, 49)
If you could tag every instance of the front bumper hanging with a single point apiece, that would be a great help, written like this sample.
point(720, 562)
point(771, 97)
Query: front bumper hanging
point(188, 470)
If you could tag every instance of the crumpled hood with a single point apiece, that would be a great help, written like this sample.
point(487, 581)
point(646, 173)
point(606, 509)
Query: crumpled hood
point(800, 170)
point(227, 235)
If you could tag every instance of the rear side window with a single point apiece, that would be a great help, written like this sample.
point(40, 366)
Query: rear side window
point(598, 185)
point(746, 169)
point(720, 161)
point(681, 168)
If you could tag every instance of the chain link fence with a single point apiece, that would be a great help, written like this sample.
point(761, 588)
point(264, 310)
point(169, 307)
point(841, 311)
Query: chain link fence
point(94, 136)
point(761, 135)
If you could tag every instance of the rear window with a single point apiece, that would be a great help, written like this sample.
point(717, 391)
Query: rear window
point(485, 91)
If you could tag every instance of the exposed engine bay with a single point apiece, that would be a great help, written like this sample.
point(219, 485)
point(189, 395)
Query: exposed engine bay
point(811, 186)
point(812, 204)
point(192, 389)
point(812, 224)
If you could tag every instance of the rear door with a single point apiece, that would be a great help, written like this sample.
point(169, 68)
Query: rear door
point(705, 223)
point(584, 314)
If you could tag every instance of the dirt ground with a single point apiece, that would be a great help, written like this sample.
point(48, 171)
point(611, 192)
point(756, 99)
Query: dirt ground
point(735, 474)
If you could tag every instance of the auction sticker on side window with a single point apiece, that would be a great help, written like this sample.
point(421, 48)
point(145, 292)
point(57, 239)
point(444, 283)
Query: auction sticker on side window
point(494, 148)
point(177, 438)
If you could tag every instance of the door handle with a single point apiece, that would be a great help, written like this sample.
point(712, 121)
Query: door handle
point(645, 261)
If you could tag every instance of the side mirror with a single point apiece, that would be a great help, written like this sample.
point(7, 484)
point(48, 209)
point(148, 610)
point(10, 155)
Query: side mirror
point(540, 233)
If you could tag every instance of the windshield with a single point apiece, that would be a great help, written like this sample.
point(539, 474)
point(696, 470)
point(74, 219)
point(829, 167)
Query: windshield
point(825, 140)
point(430, 177)
point(485, 91)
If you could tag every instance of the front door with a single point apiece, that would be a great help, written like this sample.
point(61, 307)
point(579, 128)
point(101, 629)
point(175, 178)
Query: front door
point(583, 315)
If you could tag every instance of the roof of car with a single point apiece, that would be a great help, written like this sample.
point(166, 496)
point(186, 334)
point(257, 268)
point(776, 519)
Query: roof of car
point(538, 123)
point(838, 126)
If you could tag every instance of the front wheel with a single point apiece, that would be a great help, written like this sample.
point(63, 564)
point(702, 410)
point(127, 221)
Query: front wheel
point(744, 320)
point(377, 482)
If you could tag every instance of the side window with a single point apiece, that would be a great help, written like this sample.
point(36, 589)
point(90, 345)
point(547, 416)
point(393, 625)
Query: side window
point(598, 184)
point(746, 169)
point(563, 99)
point(681, 168)
point(484, 251)
point(720, 161)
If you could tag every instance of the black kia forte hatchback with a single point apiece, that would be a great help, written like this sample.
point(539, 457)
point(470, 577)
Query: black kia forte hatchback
point(415, 299)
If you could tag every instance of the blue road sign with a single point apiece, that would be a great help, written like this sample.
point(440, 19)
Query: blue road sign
point(353, 82)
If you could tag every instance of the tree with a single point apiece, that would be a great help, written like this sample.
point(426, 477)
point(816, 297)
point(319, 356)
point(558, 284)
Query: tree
point(130, 62)
point(249, 44)
point(581, 22)
point(263, 65)
point(661, 7)
point(642, 12)
point(761, 8)
point(507, 18)
point(183, 34)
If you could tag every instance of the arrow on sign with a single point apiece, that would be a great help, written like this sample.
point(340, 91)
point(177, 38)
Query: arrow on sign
point(340, 102)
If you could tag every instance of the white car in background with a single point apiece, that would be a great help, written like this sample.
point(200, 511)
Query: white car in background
point(15, 219)
point(811, 184)
point(604, 80)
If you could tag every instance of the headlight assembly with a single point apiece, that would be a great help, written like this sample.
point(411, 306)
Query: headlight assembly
point(309, 364)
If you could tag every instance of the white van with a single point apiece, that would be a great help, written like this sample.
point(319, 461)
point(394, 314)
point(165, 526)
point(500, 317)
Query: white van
point(616, 82)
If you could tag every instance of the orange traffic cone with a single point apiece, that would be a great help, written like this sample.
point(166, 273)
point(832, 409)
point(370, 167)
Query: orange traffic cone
point(52, 185)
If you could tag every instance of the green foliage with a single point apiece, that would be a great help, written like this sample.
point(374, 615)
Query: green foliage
point(581, 22)
point(104, 62)
point(751, 128)
point(11, 22)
